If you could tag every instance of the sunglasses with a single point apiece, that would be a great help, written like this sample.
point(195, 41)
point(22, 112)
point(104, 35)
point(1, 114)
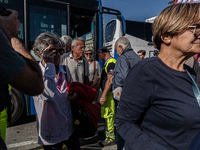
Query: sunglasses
point(61, 50)
point(88, 53)
point(196, 29)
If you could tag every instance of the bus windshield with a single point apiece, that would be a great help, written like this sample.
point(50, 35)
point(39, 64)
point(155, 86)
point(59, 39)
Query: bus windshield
point(110, 31)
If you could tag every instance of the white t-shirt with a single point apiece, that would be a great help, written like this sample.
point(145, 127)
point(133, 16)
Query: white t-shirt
point(97, 71)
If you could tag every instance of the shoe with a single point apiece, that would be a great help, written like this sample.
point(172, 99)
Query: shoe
point(107, 142)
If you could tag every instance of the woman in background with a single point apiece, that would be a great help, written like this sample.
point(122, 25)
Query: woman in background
point(94, 70)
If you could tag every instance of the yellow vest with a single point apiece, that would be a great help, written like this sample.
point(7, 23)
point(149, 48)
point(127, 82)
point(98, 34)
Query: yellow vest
point(111, 60)
point(108, 109)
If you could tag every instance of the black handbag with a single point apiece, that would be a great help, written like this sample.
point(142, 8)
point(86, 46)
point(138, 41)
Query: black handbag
point(82, 121)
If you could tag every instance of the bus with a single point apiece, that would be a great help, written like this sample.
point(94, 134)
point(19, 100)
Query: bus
point(76, 18)
point(139, 34)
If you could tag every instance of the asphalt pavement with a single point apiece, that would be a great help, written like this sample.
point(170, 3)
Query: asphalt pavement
point(23, 136)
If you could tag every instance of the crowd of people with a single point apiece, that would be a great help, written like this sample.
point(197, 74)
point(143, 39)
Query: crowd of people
point(154, 101)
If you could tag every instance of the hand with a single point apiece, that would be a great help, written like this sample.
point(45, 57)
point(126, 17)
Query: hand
point(102, 100)
point(73, 96)
point(10, 24)
point(47, 56)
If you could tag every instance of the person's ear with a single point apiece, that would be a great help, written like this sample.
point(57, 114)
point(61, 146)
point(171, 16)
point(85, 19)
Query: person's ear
point(166, 39)
point(68, 46)
point(121, 48)
point(72, 47)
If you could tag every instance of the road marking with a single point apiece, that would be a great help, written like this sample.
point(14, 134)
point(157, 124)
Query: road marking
point(27, 143)
point(21, 144)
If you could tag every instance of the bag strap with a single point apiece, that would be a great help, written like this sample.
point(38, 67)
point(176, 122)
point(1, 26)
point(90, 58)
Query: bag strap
point(83, 71)
point(94, 69)
point(195, 88)
point(64, 67)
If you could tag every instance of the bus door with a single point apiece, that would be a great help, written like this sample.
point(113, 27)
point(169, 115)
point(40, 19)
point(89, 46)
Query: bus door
point(113, 26)
point(42, 16)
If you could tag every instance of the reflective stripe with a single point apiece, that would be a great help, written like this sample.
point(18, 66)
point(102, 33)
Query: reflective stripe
point(111, 60)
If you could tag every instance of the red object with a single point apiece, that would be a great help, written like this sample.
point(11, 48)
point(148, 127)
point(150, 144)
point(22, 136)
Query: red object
point(86, 96)
point(60, 80)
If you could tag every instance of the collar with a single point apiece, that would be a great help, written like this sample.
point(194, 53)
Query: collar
point(59, 70)
point(107, 61)
point(72, 57)
point(127, 49)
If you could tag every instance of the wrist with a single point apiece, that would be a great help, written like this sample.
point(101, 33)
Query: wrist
point(11, 37)
point(103, 97)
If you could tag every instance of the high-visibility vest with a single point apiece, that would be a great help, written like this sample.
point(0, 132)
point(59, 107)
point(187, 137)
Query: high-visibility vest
point(111, 60)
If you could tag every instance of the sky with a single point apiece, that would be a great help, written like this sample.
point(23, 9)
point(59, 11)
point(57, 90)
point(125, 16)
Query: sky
point(137, 10)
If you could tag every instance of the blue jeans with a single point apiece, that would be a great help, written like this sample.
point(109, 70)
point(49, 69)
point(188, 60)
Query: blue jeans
point(72, 144)
point(119, 140)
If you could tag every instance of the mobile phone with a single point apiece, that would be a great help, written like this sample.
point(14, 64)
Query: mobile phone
point(4, 12)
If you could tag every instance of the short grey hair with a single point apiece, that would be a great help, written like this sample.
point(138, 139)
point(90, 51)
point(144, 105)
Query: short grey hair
point(75, 41)
point(66, 40)
point(44, 40)
point(124, 42)
point(89, 48)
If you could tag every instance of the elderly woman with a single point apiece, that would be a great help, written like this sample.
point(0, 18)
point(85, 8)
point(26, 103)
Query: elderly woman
point(53, 110)
point(94, 69)
point(158, 109)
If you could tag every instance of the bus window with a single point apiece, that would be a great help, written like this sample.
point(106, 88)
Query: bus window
point(43, 19)
point(45, 16)
point(110, 31)
point(82, 25)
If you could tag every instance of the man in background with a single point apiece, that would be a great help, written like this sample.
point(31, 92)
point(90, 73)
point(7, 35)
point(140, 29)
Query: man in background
point(106, 100)
point(127, 59)
point(142, 53)
point(67, 41)
point(77, 64)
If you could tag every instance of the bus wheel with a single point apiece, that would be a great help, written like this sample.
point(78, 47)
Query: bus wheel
point(17, 105)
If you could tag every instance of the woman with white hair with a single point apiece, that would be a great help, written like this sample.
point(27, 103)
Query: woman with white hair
point(53, 105)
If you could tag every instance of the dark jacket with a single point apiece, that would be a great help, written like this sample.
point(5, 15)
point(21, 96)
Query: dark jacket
point(123, 65)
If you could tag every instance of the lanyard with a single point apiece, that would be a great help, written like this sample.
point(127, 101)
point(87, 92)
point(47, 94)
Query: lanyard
point(195, 88)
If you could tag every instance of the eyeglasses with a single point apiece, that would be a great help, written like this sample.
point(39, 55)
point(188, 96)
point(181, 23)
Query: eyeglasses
point(61, 50)
point(88, 53)
point(196, 30)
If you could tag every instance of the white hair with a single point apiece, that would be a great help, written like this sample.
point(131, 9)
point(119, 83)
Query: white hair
point(75, 41)
point(89, 48)
point(124, 42)
point(66, 40)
